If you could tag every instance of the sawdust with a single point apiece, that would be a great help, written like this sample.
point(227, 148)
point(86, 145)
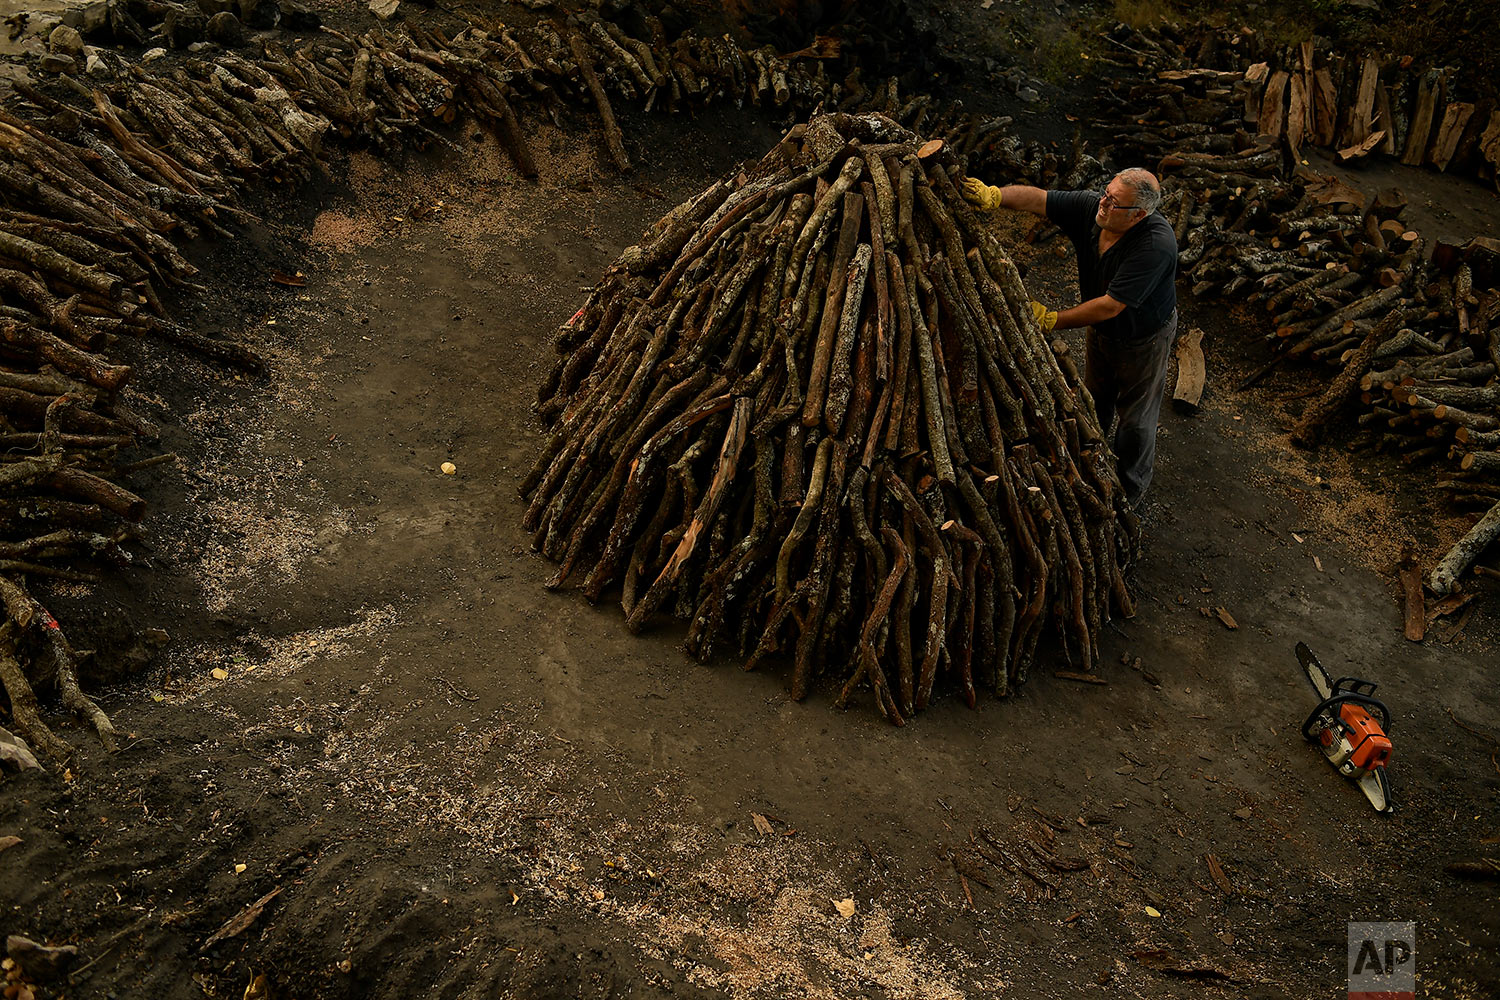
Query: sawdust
point(798, 944)
point(256, 545)
point(256, 658)
point(1341, 495)
point(507, 787)
point(266, 510)
point(333, 230)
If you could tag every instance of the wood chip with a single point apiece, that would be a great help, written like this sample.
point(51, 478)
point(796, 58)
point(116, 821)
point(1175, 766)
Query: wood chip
point(1216, 870)
point(241, 921)
point(1357, 150)
point(1447, 606)
point(762, 825)
point(1071, 675)
point(1226, 618)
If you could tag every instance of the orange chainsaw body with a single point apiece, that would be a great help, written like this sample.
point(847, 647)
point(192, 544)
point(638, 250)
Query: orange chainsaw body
point(1367, 745)
point(1351, 727)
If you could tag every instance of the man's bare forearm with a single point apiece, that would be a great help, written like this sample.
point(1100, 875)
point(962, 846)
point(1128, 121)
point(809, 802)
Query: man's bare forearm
point(1090, 312)
point(1024, 198)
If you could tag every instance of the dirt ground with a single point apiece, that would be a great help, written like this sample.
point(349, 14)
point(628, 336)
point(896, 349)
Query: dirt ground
point(457, 784)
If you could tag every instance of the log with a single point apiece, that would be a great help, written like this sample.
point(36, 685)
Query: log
point(1489, 140)
point(1455, 118)
point(1325, 108)
point(613, 139)
point(1411, 586)
point(1272, 121)
point(24, 710)
point(29, 616)
point(1480, 461)
point(1309, 426)
point(1446, 574)
point(1192, 372)
point(1422, 120)
point(1298, 115)
point(1364, 102)
point(92, 489)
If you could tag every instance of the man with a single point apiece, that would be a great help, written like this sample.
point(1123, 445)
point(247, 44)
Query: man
point(1127, 271)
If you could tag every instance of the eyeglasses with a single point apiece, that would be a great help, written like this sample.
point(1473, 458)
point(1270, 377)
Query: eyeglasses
point(1109, 201)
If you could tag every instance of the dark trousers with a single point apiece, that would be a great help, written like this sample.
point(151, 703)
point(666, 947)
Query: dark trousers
point(1127, 380)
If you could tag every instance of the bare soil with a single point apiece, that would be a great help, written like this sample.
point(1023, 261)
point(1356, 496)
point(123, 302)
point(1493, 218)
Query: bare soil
point(462, 785)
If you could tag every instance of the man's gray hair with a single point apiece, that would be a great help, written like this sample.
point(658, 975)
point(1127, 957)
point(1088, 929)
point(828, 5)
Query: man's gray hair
point(1147, 192)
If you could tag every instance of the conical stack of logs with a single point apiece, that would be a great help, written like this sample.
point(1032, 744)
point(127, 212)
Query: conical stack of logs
point(812, 415)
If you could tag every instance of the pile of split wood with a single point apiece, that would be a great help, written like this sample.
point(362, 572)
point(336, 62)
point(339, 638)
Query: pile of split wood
point(813, 413)
point(1406, 325)
point(1354, 106)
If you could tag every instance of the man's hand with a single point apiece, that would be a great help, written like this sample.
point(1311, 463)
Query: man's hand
point(1045, 318)
point(983, 196)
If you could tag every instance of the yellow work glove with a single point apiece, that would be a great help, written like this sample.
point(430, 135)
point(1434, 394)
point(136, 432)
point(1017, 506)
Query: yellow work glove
point(1045, 318)
point(985, 197)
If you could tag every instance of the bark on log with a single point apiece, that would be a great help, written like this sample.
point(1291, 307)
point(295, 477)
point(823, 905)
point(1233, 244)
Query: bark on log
point(1446, 574)
point(1422, 119)
point(613, 138)
point(1411, 586)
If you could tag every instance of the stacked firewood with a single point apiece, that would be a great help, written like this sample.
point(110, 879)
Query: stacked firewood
point(1335, 266)
point(1355, 106)
point(812, 413)
point(89, 207)
point(391, 87)
point(1407, 325)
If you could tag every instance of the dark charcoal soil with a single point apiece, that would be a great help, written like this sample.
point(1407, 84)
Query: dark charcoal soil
point(462, 785)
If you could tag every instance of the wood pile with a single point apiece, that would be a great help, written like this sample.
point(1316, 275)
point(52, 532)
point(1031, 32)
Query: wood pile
point(1405, 326)
point(812, 413)
point(89, 209)
point(98, 186)
point(1353, 105)
point(392, 87)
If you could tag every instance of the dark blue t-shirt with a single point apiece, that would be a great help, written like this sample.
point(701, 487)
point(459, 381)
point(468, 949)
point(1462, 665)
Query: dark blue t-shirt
point(1140, 270)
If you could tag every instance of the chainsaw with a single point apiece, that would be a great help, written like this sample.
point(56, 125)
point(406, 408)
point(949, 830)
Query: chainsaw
point(1350, 726)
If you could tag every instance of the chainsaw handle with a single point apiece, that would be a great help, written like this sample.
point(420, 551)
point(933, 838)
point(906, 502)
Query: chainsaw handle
point(1375, 705)
point(1355, 685)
